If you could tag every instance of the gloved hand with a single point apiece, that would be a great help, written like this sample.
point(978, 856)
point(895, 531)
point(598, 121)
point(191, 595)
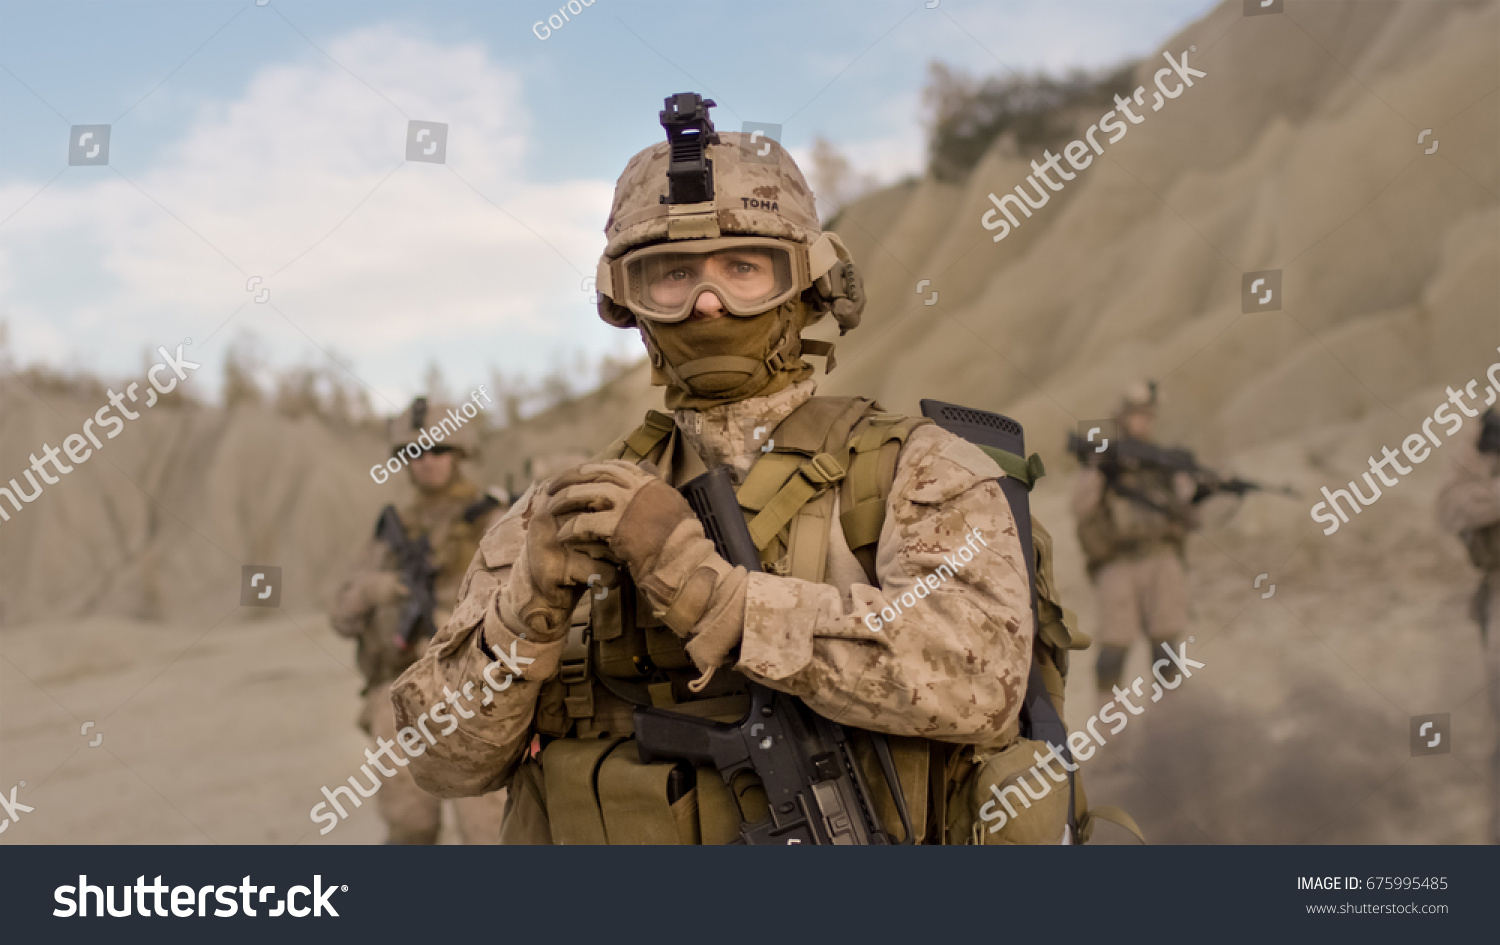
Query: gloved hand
point(651, 529)
point(378, 588)
point(548, 577)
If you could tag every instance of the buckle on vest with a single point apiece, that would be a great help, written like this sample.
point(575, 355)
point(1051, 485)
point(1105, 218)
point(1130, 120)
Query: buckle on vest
point(823, 469)
point(573, 667)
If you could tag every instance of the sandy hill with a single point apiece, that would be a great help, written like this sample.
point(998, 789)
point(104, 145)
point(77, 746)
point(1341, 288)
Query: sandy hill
point(158, 522)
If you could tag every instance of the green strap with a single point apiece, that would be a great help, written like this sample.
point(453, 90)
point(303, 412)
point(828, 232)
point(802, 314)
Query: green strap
point(1025, 471)
point(783, 481)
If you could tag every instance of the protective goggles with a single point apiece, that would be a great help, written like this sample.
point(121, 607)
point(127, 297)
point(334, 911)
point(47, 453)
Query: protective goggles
point(748, 274)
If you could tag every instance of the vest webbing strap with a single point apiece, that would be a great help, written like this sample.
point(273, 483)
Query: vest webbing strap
point(810, 430)
point(646, 437)
point(810, 479)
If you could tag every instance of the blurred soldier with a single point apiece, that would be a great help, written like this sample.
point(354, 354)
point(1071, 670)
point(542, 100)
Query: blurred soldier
point(720, 264)
point(1133, 520)
point(451, 514)
point(1469, 504)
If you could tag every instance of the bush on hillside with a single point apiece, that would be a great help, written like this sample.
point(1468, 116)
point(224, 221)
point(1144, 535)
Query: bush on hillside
point(967, 115)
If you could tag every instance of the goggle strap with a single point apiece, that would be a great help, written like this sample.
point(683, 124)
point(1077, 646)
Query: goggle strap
point(823, 255)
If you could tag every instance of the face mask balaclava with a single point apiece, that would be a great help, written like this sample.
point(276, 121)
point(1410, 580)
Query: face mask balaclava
point(707, 362)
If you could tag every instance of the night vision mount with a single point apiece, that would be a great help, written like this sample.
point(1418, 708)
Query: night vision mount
point(690, 175)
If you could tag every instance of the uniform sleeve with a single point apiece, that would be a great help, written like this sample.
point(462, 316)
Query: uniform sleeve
point(1471, 497)
point(472, 746)
point(942, 648)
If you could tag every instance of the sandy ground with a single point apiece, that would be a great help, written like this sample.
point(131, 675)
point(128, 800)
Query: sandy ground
point(215, 733)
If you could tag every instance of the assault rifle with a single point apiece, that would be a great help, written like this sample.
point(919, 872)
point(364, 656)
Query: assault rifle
point(1124, 452)
point(414, 563)
point(813, 782)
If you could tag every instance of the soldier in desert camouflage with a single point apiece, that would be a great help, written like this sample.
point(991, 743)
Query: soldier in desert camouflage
point(451, 513)
point(721, 290)
point(1469, 506)
point(1133, 523)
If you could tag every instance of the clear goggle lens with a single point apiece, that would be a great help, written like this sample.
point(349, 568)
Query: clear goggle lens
point(749, 276)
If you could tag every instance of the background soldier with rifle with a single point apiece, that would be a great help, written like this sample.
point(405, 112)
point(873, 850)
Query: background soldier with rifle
point(403, 588)
point(1135, 503)
point(1469, 506)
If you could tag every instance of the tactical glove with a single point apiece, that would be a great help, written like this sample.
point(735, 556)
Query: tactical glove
point(649, 527)
point(548, 577)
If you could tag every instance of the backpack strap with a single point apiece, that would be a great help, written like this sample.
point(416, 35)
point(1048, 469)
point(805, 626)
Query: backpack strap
point(874, 448)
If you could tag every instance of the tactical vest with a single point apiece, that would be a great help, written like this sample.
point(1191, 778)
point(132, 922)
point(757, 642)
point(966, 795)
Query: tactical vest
point(1139, 514)
point(619, 655)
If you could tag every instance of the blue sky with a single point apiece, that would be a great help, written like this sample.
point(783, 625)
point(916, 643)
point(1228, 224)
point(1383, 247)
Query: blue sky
point(268, 141)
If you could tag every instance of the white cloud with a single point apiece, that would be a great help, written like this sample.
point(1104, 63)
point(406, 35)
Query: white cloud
point(423, 261)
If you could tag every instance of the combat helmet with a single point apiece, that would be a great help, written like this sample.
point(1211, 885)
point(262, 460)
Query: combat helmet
point(704, 195)
point(1138, 397)
point(433, 426)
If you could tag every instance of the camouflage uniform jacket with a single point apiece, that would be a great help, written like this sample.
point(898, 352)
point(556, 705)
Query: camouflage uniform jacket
point(951, 666)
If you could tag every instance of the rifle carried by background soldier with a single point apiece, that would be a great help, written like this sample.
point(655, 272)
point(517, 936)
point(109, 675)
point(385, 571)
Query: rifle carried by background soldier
point(414, 564)
point(1130, 452)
